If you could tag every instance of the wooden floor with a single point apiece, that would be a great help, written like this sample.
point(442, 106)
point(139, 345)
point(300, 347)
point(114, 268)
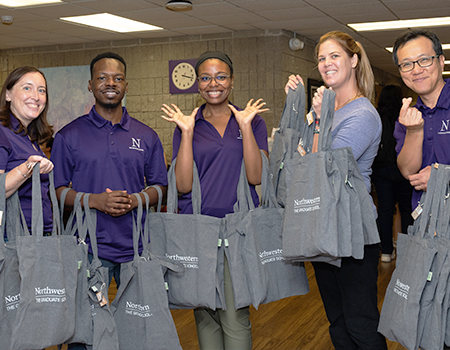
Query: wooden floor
point(297, 323)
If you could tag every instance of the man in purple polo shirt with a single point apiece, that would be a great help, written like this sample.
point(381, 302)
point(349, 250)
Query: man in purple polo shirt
point(110, 155)
point(422, 131)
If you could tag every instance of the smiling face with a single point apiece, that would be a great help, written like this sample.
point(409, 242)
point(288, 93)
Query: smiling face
point(108, 83)
point(28, 97)
point(215, 93)
point(335, 65)
point(427, 82)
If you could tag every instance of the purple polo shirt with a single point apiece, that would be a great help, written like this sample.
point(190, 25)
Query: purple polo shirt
point(219, 163)
point(436, 138)
point(93, 154)
point(14, 150)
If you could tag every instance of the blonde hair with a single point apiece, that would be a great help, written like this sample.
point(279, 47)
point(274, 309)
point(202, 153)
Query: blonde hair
point(364, 75)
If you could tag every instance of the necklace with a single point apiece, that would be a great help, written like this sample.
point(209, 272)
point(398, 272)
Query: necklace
point(349, 100)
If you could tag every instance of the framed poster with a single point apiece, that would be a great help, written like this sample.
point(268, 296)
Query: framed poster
point(313, 85)
point(68, 94)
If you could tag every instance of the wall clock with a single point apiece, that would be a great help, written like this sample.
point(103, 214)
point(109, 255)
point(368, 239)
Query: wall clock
point(182, 77)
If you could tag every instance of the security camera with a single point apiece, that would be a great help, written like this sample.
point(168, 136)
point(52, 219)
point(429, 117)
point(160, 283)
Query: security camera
point(7, 20)
point(296, 44)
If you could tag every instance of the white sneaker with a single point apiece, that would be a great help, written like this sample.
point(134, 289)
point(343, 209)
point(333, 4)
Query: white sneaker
point(388, 257)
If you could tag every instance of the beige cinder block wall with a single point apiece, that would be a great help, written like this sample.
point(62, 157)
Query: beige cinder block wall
point(262, 62)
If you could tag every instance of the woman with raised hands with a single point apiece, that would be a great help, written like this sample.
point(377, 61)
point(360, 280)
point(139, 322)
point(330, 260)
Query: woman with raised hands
point(218, 135)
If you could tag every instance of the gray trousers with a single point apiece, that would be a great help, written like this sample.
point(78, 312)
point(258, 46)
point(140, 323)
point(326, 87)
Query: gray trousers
point(224, 330)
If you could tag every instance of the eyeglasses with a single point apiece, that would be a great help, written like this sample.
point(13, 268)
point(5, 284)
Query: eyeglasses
point(206, 79)
point(422, 62)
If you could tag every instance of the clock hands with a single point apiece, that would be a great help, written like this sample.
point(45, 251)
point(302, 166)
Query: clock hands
point(187, 76)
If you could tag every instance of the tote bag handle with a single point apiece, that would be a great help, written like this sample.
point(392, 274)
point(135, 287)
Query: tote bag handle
point(172, 193)
point(37, 217)
point(326, 120)
point(268, 198)
point(295, 100)
point(244, 201)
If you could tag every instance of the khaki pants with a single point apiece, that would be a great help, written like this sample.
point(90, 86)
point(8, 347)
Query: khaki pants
point(224, 330)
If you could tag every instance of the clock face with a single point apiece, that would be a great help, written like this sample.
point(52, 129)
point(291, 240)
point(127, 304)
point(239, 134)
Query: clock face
point(182, 76)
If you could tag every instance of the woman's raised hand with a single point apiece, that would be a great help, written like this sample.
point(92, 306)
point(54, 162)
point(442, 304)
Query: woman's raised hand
point(293, 82)
point(246, 115)
point(174, 115)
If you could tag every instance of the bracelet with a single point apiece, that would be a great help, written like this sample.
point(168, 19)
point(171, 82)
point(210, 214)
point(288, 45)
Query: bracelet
point(25, 176)
point(30, 169)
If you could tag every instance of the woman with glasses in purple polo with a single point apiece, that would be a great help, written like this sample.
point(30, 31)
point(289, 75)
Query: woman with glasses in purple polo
point(218, 135)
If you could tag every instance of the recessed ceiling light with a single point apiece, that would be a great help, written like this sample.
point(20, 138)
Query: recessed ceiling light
point(407, 23)
point(21, 3)
point(111, 22)
point(444, 47)
point(180, 5)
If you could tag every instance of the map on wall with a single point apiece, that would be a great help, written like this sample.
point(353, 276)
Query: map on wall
point(68, 93)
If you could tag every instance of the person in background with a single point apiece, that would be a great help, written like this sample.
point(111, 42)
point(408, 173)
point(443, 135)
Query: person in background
point(218, 135)
point(24, 126)
point(349, 293)
point(110, 155)
point(422, 133)
point(390, 185)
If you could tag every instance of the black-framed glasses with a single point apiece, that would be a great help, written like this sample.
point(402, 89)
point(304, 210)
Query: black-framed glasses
point(207, 79)
point(422, 62)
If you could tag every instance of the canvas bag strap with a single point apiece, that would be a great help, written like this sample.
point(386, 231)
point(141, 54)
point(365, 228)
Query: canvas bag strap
point(2, 202)
point(326, 120)
point(444, 210)
point(244, 200)
point(77, 211)
point(81, 223)
point(160, 197)
point(167, 263)
point(268, 198)
point(13, 221)
point(137, 226)
point(172, 193)
point(91, 222)
point(295, 102)
point(146, 238)
point(427, 206)
point(62, 200)
point(57, 224)
point(37, 219)
point(299, 122)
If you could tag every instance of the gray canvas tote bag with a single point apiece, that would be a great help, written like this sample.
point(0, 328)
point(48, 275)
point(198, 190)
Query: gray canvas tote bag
point(141, 307)
point(270, 277)
point(291, 131)
point(9, 263)
point(310, 224)
point(48, 269)
point(83, 319)
point(104, 329)
point(399, 317)
point(431, 327)
point(233, 242)
point(191, 239)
